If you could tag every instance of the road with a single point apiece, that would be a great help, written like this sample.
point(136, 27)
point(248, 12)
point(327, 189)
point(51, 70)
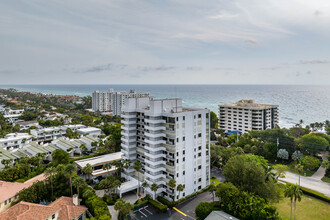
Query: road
point(319, 174)
point(308, 182)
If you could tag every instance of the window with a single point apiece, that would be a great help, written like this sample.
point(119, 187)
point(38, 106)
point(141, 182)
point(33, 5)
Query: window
point(200, 167)
point(184, 118)
point(177, 160)
point(5, 202)
point(53, 216)
point(199, 147)
point(200, 187)
point(184, 159)
point(184, 152)
point(200, 180)
point(200, 135)
point(199, 115)
point(199, 154)
point(177, 175)
point(177, 154)
point(184, 138)
point(184, 173)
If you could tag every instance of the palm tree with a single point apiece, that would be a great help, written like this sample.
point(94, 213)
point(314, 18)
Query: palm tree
point(288, 192)
point(154, 187)
point(49, 173)
point(87, 170)
point(138, 166)
point(119, 167)
point(107, 167)
point(145, 185)
point(172, 185)
point(127, 163)
point(78, 182)
point(70, 168)
point(297, 193)
point(180, 188)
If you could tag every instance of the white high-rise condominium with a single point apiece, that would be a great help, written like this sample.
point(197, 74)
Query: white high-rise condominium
point(170, 141)
point(246, 115)
point(111, 101)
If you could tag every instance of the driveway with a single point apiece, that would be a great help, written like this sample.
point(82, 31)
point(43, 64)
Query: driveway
point(308, 182)
point(319, 174)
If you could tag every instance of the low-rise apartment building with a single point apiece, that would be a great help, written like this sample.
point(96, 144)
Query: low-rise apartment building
point(14, 140)
point(246, 115)
point(171, 142)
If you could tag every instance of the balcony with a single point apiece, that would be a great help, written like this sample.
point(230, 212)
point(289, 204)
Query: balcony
point(154, 156)
point(154, 149)
point(154, 142)
point(155, 121)
point(154, 135)
point(128, 122)
point(128, 116)
point(154, 177)
point(158, 169)
point(154, 163)
point(155, 128)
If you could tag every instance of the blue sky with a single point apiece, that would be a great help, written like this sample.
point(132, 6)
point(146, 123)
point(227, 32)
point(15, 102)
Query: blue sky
point(174, 41)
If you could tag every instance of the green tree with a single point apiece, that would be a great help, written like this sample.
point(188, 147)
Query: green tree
point(212, 188)
point(145, 185)
point(138, 166)
point(180, 188)
point(297, 193)
point(213, 120)
point(154, 187)
point(172, 184)
point(60, 157)
point(7, 162)
point(313, 143)
point(107, 167)
point(310, 162)
point(50, 173)
point(289, 192)
point(70, 169)
point(250, 176)
point(87, 170)
point(280, 170)
point(78, 182)
point(124, 208)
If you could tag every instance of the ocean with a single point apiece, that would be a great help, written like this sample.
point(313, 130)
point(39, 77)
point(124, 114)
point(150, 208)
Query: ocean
point(310, 103)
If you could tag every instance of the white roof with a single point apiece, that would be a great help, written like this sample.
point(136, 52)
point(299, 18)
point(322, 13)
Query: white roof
point(89, 129)
point(99, 160)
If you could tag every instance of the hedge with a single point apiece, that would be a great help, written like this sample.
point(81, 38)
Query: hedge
point(158, 206)
point(166, 202)
point(203, 209)
point(141, 204)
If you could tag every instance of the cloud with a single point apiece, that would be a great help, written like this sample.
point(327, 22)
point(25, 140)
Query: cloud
point(101, 68)
point(314, 61)
point(223, 15)
point(251, 41)
point(157, 68)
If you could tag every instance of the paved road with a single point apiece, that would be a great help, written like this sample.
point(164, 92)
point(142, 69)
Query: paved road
point(308, 182)
point(319, 174)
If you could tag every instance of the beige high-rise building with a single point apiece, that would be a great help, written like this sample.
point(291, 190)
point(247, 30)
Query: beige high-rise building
point(246, 115)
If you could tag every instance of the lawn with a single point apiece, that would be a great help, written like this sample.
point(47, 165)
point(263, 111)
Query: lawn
point(326, 179)
point(216, 182)
point(293, 170)
point(308, 208)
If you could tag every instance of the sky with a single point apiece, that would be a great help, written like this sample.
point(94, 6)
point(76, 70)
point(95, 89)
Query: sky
point(165, 42)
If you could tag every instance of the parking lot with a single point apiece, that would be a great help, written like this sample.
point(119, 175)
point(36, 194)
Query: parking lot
point(144, 213)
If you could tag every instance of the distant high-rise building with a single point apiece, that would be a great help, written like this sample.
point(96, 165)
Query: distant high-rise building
point(111, 101)
point(246, 115)
point(170, 141)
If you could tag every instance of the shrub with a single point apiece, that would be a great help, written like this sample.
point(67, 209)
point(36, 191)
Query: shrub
point(158, 206)
point(140, 204)
point(110, 199)
point(166, 202)
point(203, 209)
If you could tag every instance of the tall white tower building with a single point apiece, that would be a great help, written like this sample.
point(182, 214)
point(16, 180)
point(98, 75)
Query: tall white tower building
point(111, 101)
point(246, 115)
point(171, 142)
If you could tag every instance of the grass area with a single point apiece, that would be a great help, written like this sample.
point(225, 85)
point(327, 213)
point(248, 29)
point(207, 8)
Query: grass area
point(308, 208)
point(216, 182)
point(326, 179)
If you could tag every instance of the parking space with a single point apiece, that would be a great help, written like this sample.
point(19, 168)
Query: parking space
point(146, 212)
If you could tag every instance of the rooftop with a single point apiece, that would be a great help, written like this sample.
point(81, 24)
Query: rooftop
point(99, 160)
point(220, 215)
point(247, 103)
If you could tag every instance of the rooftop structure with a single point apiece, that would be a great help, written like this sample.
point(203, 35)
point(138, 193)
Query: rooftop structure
point(220, 215)
point(94, 132)
point(246, 115)
point(98, 162)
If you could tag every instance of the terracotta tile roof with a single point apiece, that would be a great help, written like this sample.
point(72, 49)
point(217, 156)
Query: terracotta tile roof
point(30, 211)
point(68, 209)
point(9, 189)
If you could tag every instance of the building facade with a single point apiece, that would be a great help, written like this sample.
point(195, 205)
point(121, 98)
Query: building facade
point(246, 115)
point(14, 141)
point(112, 101)
point(170, 141)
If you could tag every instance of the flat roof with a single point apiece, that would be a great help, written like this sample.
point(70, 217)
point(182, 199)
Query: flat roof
point(220, 215)
point(99, 160)
point(89, 129)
